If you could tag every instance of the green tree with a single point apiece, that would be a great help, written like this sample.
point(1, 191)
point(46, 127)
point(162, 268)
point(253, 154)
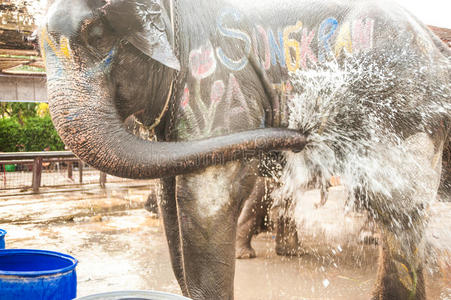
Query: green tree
point(19, 110)
point(10, 135)
point(39, 133)
point(27, 127)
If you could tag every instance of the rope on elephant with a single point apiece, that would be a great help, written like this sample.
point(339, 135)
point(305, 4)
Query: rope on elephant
point(175, 23)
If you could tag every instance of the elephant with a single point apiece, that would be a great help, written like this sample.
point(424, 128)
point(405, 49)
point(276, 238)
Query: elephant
point(259, 215)
point(253, 219)
point(216, 83)
point(256, 217)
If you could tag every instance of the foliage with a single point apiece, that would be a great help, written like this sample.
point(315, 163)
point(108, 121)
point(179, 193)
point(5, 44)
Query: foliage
point(43, 110)
point(39, 134)
point(19, 110)
point(10, 135)
point(34, 133)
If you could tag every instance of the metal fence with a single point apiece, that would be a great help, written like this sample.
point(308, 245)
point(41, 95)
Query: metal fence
point(32, 170)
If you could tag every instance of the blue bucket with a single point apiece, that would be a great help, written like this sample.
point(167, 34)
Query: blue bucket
point(2, 238)
point(37, 275)
point(134, 295)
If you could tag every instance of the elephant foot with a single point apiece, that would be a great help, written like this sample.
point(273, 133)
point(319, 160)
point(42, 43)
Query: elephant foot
point(369, 234)
point(369, 238)
point(245, 253)
point(400, 274)
point(390, 286)
point(287, 250)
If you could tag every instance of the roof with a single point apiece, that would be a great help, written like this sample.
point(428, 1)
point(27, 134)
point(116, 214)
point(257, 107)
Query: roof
point(443, 33)
point(25, 62)
point(18, 49)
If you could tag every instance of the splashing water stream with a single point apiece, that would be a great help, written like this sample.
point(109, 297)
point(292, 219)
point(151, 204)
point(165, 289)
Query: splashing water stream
point(374, 121)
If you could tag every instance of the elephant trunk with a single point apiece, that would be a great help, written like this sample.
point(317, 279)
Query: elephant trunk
point(83, 110)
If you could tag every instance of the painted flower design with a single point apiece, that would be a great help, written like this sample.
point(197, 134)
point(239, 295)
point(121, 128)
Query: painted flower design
point(202, 61)
point(217, 91)
point(185, 98)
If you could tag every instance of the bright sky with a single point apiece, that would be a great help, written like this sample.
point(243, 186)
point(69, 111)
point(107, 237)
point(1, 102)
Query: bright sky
point(431, 12)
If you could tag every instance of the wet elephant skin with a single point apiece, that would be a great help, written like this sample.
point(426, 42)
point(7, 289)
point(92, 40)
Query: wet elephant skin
point(219, 75)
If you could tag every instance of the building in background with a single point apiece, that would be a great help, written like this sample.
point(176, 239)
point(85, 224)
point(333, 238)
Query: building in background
point(22, 73)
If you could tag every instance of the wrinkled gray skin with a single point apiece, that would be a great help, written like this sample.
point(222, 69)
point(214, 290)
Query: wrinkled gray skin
point(118, 62)
point(255, 217)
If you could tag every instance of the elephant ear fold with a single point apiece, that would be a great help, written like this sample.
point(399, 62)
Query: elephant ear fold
point(152, 37)
point(156, 47)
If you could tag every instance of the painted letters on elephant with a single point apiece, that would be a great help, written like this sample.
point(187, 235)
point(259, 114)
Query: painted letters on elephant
point(289, 47)
point(234, 65)
point(229, 95)
point(283, 49)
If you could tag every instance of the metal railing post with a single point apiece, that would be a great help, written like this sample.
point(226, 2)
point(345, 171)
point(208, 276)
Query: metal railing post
point(70, 174)
point(102, 180)
point(80, 170)
point(4, 174)
point(39, 160)
point(37, 173)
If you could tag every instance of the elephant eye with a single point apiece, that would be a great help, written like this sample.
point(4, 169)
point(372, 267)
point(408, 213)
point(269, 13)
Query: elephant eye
point(97, 36)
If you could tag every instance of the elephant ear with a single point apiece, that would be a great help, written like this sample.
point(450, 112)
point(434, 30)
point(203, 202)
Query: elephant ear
point(146, 25)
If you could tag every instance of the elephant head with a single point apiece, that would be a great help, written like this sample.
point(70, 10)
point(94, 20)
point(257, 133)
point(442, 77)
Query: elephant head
point(109, 59)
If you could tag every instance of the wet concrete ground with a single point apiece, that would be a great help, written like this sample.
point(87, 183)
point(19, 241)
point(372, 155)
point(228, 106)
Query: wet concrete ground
point(120, 246)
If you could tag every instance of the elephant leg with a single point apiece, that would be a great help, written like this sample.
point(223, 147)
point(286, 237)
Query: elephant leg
point(250, 220)
point(209, 203)
point(168, 208)
point(287, 243)
point(402, 220)
point(400, 274)
point(324, 194)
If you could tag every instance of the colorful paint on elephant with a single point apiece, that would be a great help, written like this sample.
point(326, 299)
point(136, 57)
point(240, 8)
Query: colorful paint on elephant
point(185, 99)
point(285, 91)
point(61, 49)
point(291, 46)
point(239, 64)
point(201, 117)
point(292, 64)
point(217, 91)
point(202, 61)
point(265, 62)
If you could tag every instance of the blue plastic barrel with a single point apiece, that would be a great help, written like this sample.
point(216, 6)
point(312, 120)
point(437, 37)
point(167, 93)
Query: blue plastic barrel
point(2, 238)
point(37, 275)
point(134, 295)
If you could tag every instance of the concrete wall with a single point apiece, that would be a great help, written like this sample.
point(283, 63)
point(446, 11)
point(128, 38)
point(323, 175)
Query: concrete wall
point(16, 88)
